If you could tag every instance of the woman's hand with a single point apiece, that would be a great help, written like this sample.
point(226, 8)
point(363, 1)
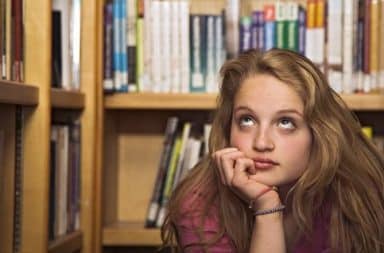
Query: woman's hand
point(236, 171)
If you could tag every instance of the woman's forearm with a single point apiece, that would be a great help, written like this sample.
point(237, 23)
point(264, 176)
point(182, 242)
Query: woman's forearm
point(268, 234)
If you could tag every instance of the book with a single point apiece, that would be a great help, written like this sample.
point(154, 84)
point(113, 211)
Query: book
point(198, 45)
point(232, 16)
point(169, 139)
point(75, 43)
point(108, 48)
point(131, 32)
point(63, 7)
point(245, 33)
point(269, 26)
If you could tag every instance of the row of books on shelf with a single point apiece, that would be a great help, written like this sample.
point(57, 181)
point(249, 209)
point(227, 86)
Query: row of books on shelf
point(11, 40)
point(66, 31)
point(160, 46)
point(64, 201)
point(184, 144)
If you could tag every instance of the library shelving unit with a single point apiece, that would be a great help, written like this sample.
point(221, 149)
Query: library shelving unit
point(132, 128)
point(12, 94)
point(40, 103)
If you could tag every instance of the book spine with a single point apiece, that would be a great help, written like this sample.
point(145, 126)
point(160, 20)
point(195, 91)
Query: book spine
point(245, 33)
point(123, 54)
point(197, 76)
point(131, 44)
point(168, 182)
point(269, 26)
point(210, 57)
point(184, 32)
point(175, 74)
point(310, 38)
point(348, 47)
point(169, 137)
point(302, 19)
point(334, 29)
point(220, 52)
point(108, 47)
point(280, 25)
point(232, 15)
point(147, 78)
point(75, 43)
point(292, 16)
point(165, 50)
point(319, 37)
point(260, 30)
point(116, 47)
point(156, 44)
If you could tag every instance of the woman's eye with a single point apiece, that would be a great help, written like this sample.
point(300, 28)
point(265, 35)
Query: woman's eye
point(287, 123)
point(246, 121)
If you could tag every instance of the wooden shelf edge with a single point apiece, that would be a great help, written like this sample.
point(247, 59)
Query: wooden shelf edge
point(204, 101)
point(67, 243)
point(160, 101)
point(18, 93)
point(66, 99)
point(130, 234)
point(364, 102)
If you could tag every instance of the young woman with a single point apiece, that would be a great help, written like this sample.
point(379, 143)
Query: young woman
point(289, 168)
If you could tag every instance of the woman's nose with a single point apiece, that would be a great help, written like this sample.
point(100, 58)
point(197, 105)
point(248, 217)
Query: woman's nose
point(263, 140)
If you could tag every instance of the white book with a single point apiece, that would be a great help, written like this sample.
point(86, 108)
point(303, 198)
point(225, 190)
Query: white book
point(220, 53)
point(335, 79)
point(210, 68)
point(157, 44)
point(146, 79)
point(334, 29)
point(165, 46)
point(184, 45)
point(192, 156)
point(175, 48)
point(232, 16)
point(64, 7)
point(75, 41)
point(348, 46)
point(60, 134)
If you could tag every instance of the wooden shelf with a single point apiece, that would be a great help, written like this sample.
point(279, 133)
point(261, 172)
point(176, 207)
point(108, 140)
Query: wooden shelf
point(68, 243)
point(365, 102)
point(18, 93)
point(132, 234)
point(194, 101)
point(203, 101)
point(66, 99)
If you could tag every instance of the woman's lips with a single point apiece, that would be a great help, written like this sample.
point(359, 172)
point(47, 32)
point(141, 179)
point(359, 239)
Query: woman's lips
point(264, 163)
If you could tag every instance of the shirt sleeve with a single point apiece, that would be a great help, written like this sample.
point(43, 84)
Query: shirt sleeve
point(189, 237)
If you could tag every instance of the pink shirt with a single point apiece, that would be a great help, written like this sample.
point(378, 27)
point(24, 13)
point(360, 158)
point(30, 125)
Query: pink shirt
point(188, 236)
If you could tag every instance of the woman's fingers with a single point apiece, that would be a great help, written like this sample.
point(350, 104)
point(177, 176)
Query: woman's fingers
point(225, 160)
point(244, 184)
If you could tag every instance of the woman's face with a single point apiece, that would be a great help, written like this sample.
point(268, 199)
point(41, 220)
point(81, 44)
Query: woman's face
point(269, 128)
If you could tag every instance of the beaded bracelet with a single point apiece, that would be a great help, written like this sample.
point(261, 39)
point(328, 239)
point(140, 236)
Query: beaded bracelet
point(269, 211)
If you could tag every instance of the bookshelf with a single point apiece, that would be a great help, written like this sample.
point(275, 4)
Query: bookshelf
point(40, 105)
point(131, 141)
point(67, 99)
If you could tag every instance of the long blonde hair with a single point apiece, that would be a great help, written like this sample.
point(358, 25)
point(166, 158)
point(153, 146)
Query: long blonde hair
point(345, 171)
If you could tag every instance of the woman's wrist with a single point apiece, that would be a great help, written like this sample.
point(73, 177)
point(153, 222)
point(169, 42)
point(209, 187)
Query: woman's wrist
point(270, 200)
